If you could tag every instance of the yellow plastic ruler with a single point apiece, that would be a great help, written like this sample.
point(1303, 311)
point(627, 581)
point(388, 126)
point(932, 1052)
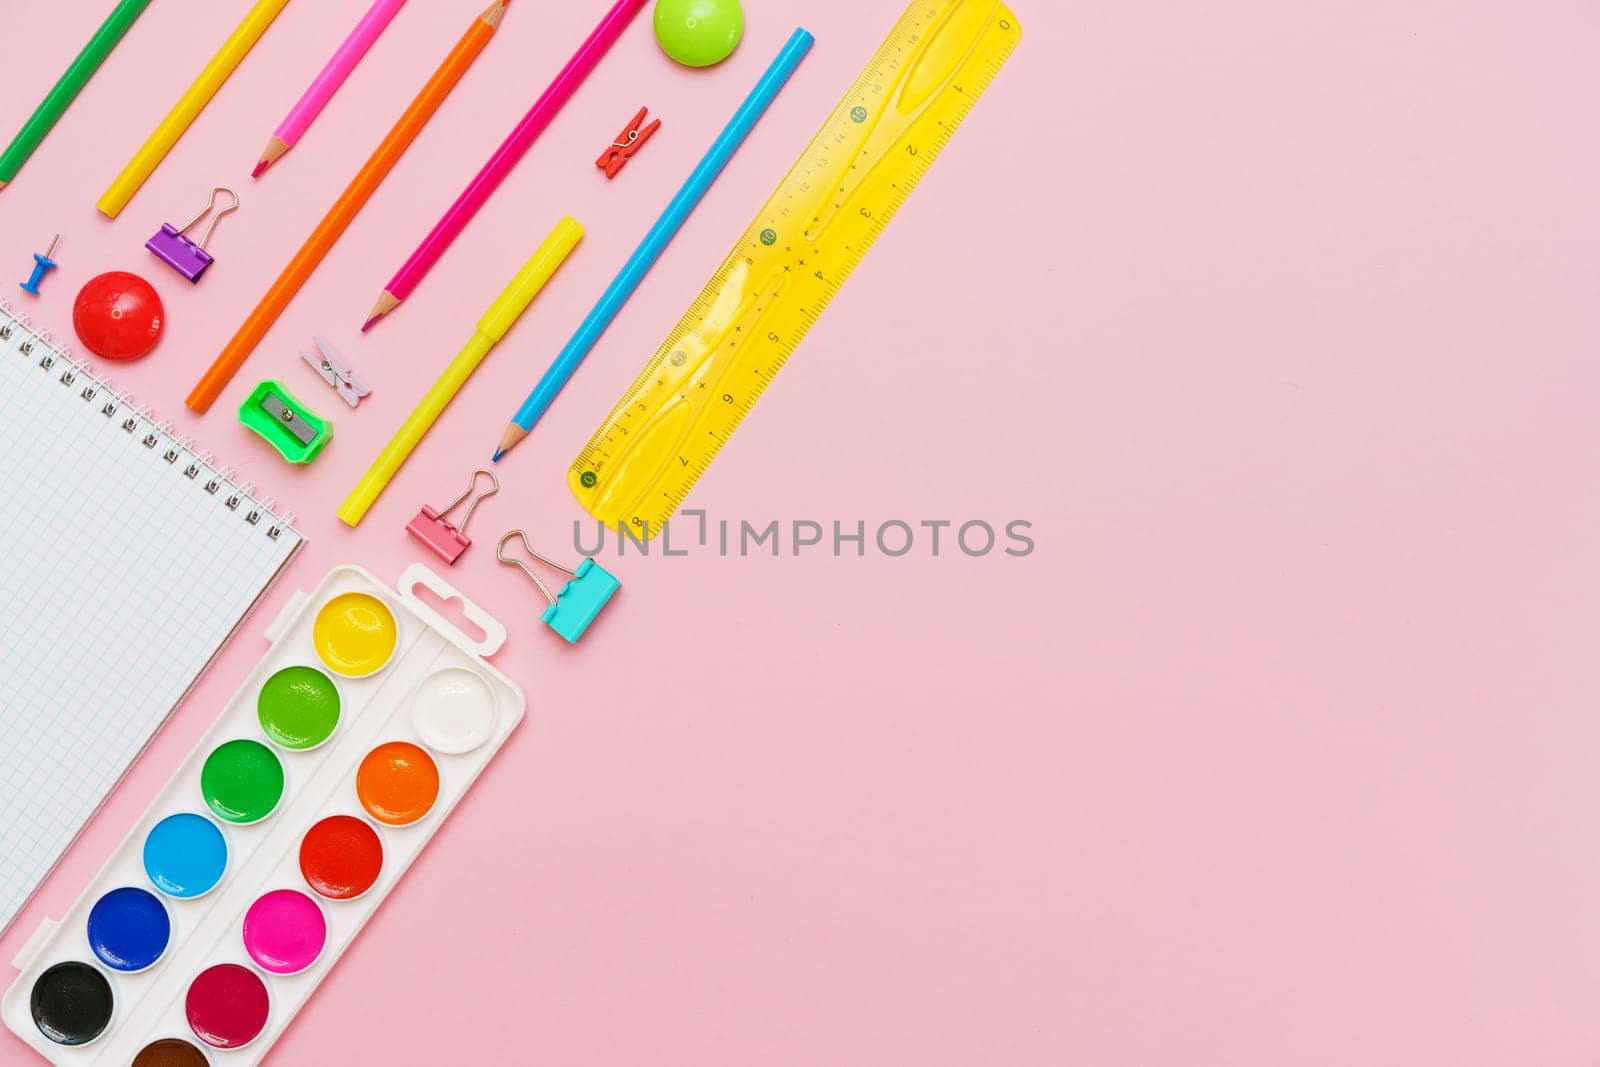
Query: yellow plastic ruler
point(802, 247)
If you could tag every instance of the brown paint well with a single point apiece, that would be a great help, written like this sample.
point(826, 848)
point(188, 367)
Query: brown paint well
point(170, 1052)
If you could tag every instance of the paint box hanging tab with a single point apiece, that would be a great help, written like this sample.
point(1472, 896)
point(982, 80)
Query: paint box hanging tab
point(434, 528)
point(278, 839)
point(174, 248)
point(581, 599)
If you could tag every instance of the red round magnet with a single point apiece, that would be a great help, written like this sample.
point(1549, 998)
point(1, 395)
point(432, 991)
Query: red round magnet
point(118, 315)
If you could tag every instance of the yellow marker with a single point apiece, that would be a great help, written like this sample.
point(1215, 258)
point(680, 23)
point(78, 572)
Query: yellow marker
point(189, 106)
point(491, 328)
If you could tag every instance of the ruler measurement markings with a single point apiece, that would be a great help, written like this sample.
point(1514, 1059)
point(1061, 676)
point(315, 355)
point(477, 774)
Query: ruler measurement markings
point(837, 239)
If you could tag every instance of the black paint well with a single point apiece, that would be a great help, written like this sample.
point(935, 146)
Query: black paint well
point(71, 1003)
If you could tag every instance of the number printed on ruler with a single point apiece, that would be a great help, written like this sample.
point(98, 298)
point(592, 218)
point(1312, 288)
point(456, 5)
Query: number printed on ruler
point(804, 244)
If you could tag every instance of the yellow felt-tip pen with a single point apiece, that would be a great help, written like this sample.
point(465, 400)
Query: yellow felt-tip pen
point(189, 106)
point(491, 328)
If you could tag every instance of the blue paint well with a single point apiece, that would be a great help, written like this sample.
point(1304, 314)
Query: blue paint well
point(129, 929)
point(185, 855)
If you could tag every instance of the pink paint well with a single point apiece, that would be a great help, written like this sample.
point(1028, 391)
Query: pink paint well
point(284, 931)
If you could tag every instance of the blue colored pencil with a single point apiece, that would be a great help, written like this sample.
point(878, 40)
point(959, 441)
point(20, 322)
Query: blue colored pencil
point(655, 242)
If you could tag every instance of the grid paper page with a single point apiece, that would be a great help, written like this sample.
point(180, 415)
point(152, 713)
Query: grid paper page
point(125, 563)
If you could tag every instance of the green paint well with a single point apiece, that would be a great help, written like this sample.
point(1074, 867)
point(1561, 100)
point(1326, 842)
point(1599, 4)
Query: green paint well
point(298, 707)
point(242, 781)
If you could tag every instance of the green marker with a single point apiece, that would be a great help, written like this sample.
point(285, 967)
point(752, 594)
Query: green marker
point(69, 86)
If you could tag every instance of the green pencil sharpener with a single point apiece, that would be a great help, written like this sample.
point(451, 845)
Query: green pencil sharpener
point(285, 423)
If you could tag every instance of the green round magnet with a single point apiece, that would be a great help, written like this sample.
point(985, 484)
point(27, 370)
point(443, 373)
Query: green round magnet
point(699, 33)
point(242, 781)
point(298, 708)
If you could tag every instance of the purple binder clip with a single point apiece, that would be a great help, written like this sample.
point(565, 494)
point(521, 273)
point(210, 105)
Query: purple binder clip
point(174, 249)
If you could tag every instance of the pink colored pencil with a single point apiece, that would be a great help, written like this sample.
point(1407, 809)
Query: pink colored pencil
point(505, 158)
point(321, 90)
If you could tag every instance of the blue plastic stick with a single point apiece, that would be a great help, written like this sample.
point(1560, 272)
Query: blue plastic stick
point(667, 226)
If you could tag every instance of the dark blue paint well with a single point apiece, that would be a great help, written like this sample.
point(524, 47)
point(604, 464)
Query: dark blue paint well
point(129, 929)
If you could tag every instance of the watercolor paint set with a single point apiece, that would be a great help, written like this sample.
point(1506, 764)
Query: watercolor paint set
point(277, 838)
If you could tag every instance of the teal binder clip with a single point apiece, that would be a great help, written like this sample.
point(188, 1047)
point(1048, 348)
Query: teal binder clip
point(572, 610)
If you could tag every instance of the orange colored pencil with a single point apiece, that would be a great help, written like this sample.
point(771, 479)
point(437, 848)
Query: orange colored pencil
point(345, 209)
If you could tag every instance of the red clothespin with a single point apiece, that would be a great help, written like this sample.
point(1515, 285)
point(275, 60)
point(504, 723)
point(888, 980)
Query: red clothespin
point(626, 144)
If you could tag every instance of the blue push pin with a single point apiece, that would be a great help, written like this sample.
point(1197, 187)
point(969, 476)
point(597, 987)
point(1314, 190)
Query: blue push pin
point(42, 265)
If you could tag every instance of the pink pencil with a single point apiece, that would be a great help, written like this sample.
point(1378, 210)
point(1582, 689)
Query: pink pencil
point(321, 90)
point(505, 158)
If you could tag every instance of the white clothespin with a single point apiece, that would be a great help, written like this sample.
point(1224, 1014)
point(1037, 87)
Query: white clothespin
point(336, 372)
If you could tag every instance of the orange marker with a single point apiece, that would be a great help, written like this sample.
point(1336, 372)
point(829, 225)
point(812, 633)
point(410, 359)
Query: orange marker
point(346, 208)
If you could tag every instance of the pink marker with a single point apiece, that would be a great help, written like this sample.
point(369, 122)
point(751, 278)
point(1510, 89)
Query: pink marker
point(321, 90)
point(506, 157)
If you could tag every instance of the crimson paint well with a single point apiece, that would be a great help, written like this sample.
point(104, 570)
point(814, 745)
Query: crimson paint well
point(227, 1006)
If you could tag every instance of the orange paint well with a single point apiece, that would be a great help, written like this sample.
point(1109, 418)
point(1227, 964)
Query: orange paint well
point(397, 783)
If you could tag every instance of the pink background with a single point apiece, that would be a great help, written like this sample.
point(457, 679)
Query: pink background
point(1276, 320)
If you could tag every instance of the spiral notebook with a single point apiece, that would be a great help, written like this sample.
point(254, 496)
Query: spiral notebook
point(126, 561)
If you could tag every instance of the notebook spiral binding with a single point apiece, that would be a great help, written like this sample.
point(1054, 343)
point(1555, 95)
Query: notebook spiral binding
point(141, 425)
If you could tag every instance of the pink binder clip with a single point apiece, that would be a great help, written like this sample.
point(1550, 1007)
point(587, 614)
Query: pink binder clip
point(183, 255)
point(446, 540)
